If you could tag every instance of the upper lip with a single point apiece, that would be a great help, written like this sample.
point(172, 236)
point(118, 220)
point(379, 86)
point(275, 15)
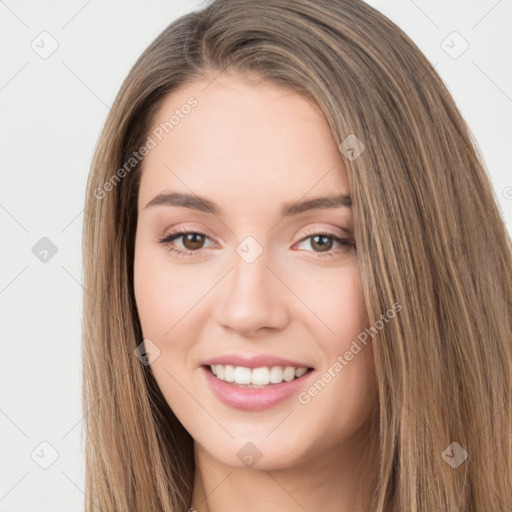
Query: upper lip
point(254, 361)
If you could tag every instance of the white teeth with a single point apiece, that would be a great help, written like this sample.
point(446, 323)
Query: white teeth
point(260, 376)
point(299, 372)
point(229, 373)
point(256, 377)
point(242, 374)
point(276, 374)
point(289, 373)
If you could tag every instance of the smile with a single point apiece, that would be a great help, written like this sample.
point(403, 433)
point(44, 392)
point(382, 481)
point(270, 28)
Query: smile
point(247, 391)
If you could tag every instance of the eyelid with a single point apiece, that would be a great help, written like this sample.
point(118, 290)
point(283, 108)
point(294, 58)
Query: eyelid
point(334, 231)
point(187, 229)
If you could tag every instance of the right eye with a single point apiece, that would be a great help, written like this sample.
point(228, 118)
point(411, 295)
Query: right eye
point(192, 242)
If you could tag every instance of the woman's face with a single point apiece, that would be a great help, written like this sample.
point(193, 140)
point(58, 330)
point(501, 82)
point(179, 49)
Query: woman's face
point(262, 281)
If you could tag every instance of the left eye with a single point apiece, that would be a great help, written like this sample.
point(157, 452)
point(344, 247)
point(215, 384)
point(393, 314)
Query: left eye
point(324, 242)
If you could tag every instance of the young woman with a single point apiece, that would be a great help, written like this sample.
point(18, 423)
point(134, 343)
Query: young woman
point(298, 283)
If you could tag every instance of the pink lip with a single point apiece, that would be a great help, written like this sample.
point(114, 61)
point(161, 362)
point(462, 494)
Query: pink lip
point(254, 361)
point(253, 399)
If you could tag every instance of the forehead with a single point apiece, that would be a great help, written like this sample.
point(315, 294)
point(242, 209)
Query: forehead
point(231, 138)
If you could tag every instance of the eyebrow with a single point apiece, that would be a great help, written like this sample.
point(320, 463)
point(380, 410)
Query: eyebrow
point(293, 208)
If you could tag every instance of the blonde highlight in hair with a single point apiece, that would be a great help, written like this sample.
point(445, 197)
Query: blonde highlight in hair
point(429, 236)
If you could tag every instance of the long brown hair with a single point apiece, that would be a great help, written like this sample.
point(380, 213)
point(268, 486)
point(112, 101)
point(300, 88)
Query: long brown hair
point(429, 235)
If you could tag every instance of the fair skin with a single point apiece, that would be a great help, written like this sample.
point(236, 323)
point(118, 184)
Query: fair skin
point(250, 148)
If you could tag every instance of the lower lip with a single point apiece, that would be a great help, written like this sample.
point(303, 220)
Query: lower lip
point(253, 399)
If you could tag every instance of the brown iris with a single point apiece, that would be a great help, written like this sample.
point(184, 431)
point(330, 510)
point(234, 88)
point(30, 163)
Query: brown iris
point(322, 245)
point(193, 241)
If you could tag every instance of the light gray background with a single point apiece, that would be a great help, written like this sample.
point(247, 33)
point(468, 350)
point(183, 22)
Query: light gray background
point(52, 111)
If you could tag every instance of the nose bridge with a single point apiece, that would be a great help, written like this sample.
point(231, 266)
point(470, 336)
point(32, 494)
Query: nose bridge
point(254, 297)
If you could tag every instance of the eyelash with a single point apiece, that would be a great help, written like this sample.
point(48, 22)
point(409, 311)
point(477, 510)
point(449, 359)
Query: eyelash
point(344, 242)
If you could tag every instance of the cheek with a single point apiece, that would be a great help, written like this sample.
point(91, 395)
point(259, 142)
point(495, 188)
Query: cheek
point(337, 306)
point(164, 293)
point(347, 374)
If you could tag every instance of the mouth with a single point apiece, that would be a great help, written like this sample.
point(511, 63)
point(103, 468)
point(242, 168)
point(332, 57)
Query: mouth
point(262, 377)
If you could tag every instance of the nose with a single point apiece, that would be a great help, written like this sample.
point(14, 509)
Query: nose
point(253, 300)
